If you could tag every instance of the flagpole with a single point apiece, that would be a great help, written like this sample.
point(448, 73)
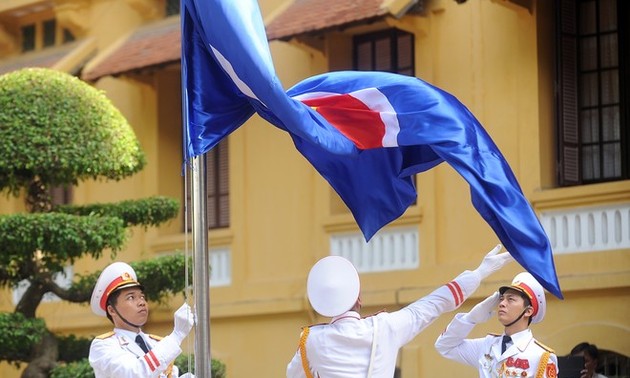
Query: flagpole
point(201, 274)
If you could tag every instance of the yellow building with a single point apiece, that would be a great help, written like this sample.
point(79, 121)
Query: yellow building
point(547, 79)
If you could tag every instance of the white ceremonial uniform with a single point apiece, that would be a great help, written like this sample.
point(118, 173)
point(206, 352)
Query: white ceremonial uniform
point(343, 347)
point(522, 359)
point(116, 355)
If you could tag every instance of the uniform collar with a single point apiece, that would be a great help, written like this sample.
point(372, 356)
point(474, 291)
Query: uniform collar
point(129, 334)
point(348, 315)
point(520, 342)
point(127, 340)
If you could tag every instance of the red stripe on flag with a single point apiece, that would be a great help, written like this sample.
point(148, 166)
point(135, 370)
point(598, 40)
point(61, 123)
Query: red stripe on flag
point(352, 118)
point(456, 290)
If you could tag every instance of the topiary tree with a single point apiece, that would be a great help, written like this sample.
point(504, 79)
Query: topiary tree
point(56, 130)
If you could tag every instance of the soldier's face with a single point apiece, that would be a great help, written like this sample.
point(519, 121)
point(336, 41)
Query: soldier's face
point(132, 305)
point(511, 305)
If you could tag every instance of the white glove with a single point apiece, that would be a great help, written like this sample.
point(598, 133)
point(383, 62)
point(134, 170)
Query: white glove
point(493, 261)
point(184, 321)
point(482, 311)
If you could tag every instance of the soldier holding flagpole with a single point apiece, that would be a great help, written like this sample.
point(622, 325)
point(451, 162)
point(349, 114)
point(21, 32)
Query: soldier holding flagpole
point(128, 352)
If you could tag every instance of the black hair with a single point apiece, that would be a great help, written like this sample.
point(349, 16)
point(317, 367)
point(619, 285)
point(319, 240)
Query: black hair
point(111, 300)
point(590, 349)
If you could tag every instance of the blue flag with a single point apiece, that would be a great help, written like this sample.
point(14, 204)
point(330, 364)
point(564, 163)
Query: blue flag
point(366, 133)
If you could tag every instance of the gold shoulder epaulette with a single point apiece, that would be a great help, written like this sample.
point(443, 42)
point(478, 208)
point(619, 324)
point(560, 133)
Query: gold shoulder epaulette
point(544, 346)
point(105, 335)
point(155, 337)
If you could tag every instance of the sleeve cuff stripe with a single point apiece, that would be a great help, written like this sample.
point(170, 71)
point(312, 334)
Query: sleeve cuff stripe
point(152, 361)
point(456, 290)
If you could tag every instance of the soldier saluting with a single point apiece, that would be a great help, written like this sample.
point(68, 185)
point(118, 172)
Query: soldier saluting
point(515, 353)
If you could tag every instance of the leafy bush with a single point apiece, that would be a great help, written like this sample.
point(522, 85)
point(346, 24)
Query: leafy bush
point(147, 212)
point(217, 367)
point(17, 336)
point(60, 129)
point(61, 238)
point(72, 348)
point(82, 368)
point(77, 369)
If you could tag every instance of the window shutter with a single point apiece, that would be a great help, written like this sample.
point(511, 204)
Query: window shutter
point(390, 50)
point(211, 186)
point(569, 165)
point(217, 188)
point(405, 54)
point(223, 186)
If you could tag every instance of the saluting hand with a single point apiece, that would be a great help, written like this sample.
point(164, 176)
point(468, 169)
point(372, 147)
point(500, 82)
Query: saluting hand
point(482, 311)
point(493, 261)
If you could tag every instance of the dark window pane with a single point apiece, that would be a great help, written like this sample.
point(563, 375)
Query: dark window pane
point(612, 160)
point(383, 56)
point(587, 14)
point(67, 36)
point(28, 38)
point(608, 15)
point(172, 7)
point(50, 30)
point(588, 89)
point(405, 48)
point(610, 87)
point(589, 121)
point(588, 53)
point(609, 52)
point(590, 162)
point(364, 56)
point(610, 123)
point(390, 50)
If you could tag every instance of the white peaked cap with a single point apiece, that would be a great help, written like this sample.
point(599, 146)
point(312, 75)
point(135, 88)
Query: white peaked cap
point(114, 277)
point(333, 286)
point(527, 284)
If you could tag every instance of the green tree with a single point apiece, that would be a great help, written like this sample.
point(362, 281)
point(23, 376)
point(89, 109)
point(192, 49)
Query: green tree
point(56, 131)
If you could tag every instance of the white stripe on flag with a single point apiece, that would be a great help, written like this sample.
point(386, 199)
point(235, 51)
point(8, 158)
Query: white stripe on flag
point(227, 66)
point(310, 95)
point(378, 102)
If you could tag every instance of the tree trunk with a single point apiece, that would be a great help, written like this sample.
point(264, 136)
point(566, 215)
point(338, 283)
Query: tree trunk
point(38, 198)
point(44, 357)
point(31, 299)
